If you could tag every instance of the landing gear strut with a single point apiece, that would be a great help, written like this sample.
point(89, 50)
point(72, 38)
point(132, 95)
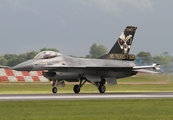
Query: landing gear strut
point(76, 88)
point(54, 84)
point(101, 86)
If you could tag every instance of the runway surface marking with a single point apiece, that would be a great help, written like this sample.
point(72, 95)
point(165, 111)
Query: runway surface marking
point(85, 96)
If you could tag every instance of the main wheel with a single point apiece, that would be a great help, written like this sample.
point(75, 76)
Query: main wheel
point(102, 88)
point(76, 89)
point(54, 90)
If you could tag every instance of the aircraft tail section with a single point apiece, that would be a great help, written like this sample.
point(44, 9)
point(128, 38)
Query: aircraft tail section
point(121, 48)
point(124, 42)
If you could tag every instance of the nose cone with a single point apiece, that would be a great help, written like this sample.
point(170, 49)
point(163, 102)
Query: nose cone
point(25, 66)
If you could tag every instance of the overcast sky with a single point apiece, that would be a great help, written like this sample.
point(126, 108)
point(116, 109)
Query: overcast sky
point(72, 26)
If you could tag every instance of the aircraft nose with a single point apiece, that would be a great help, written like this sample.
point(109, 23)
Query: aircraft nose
point(25, 66)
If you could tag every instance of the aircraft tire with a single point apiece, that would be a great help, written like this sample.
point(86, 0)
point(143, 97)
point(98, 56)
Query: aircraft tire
point(102, 88)
point(76, 89)
point(54, 90)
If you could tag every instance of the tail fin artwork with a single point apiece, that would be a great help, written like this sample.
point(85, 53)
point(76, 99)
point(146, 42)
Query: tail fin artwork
point(121, 48)
point(124, 42)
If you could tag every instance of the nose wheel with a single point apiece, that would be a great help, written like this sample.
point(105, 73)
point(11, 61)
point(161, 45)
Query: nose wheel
point(54, 84)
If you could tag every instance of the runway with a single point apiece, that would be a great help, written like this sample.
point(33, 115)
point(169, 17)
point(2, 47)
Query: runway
point(86, 96)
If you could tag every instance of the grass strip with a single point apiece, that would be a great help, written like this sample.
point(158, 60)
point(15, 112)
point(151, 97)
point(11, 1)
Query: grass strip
point(146, 109)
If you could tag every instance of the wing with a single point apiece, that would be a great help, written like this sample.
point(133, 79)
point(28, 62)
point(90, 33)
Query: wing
point(113, 68)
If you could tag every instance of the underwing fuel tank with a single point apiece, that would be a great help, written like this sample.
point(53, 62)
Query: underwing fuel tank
point(60, 75)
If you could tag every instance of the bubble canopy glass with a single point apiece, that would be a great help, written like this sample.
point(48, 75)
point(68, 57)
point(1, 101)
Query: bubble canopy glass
point(47, 55)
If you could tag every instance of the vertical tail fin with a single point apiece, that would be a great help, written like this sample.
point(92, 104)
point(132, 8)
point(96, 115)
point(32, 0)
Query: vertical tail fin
point(120, 50)
point(124, 42)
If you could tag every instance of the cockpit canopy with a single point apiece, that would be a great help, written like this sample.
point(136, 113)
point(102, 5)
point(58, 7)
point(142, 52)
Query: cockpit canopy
point(47, 55)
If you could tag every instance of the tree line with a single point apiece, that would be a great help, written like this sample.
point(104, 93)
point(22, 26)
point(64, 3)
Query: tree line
point(142, 58)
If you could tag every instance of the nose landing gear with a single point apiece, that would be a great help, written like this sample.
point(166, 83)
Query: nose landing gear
point(56, 83)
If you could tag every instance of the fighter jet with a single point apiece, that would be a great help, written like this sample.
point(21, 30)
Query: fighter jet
point(118, 63)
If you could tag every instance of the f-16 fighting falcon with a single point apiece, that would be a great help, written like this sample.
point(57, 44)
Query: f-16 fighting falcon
point(118, 63)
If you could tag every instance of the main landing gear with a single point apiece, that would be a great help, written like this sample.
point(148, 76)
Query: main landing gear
point(102, 88)
point(76, 88)
point(100, 85)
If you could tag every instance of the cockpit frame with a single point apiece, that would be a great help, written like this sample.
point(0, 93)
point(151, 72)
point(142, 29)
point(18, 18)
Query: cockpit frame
point(47, 55)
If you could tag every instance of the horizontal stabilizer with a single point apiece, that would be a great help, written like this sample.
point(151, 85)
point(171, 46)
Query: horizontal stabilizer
point(154, 66)
point(147, 68)
point(146, 71)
